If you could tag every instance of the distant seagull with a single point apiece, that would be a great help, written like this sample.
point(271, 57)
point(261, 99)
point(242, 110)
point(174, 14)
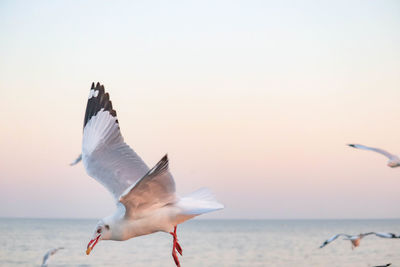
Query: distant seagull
point(49, 253)
point(394, 161)
point(386, 265)
point(356, 239)
point(78, 159)
point(146, 199)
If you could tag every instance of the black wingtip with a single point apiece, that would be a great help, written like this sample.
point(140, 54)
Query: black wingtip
point(352, 145)
point(97, 101)
point(92, 86)
point(100, 88)
point(163, 163)
point(160, 167)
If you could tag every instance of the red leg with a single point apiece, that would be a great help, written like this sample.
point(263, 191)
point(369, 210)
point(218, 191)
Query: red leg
point(176, 247)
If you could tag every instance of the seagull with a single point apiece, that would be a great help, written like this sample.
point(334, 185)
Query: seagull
point(49, 253)
point(145, 198)
point(394, 161)
point(356, 239)
point(386, 265)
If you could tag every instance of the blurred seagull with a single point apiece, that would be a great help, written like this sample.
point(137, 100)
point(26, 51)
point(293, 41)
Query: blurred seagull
point(394, 161)
point(145, 198)
point(356, 239)
point(49, 253)
point(386, 265)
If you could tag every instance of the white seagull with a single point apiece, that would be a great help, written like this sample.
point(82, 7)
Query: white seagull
point(49, 253)
point(145, 198)
point(394, 161)
point(356, 239)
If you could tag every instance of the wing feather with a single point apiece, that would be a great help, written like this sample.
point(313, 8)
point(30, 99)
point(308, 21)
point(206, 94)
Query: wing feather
point(78, 159)
point(333, 238)
point(377, 150)
point(385, 235)
point(105, 155)
point(154, 190)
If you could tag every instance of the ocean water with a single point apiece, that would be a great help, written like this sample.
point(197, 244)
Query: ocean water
point(23, 242)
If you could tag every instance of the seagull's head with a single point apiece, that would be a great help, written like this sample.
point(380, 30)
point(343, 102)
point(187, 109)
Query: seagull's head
point(101, 232)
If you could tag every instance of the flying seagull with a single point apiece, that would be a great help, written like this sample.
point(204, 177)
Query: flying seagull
point(356, 239)
point(145, 198)
point(49, 253)
point(386, 265)
point(394, 161)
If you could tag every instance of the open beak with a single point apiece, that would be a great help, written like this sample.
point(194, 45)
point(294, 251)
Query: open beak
point(92, 243)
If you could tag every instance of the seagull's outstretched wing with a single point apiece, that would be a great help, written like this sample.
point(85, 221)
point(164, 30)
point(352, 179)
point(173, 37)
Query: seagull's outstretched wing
point(49, 253)
point(333, 238)
point(385, 235)
point(156, 189)
point(377, 150)
point(78, 159)
point(105, 155)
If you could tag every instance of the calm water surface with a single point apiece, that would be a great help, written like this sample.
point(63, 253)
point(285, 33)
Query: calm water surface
point(23, 242)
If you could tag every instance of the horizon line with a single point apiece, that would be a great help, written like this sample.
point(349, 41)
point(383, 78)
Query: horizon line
point(212, 219)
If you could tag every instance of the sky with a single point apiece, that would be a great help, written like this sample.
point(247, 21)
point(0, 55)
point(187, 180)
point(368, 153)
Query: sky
point(254, 99)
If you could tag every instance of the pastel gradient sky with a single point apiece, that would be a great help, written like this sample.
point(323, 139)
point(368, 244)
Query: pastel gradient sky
point(254, 99)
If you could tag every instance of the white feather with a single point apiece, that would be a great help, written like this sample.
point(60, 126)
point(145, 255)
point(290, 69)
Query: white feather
point(199, 202)
point(106, 156)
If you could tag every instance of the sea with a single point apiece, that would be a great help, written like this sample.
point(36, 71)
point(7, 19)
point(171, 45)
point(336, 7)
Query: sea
point(291, 243)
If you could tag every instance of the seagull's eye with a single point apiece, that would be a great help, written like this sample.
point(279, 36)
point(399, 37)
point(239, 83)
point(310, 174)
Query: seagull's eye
point(99, 230)
point(107, 227)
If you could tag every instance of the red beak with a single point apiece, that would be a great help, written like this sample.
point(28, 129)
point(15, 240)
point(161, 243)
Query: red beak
point(92, 242)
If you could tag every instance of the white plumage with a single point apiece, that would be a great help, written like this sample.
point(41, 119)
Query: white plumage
point(146, 199)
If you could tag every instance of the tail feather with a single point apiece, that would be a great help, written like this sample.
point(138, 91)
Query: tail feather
point(199, 202)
